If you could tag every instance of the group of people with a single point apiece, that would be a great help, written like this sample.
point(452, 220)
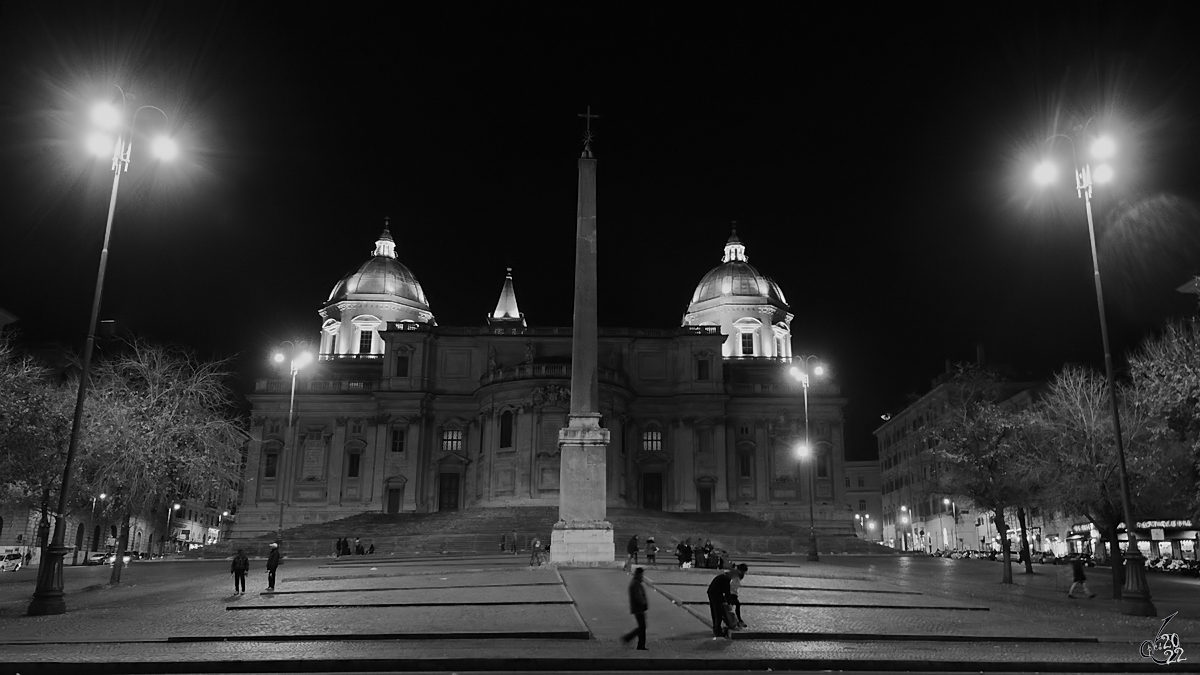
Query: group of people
point(723, 603)
point(704, 556)
point(633, 549)
point(342, 546)
point(241, 566)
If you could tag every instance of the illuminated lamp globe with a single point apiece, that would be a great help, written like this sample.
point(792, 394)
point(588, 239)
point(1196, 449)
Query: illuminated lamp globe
point(802, 451)
point(279, 358)
point(1103, 148)
point(1103, 173)
point(164, 148)
point(303, 359)
point(819, 370)
point(1045, 173)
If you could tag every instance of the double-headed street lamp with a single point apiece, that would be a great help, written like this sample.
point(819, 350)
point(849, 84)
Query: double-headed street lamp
point(1135, 596)
point(48, 597)
point(299, 357)
point(92, 520)
point(806, 451)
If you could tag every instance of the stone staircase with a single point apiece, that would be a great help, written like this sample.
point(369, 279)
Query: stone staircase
point(480, 531)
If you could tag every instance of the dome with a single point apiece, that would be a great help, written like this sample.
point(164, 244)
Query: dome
point(735, 276)
point(381, 275)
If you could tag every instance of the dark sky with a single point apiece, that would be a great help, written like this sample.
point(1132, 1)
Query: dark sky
point(876, 160)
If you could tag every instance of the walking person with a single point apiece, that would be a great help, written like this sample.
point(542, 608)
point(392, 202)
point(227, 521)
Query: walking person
point(512, 541)
point(1080, 579)
point(632, 550)
point(239, 568)
point(535, 552)
point(272, 565)
point(651, 551)
point(720, 597)
point(337, 547)
point(637, 606)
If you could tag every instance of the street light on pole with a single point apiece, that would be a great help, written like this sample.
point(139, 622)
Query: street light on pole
point(48, 596)
point(1135, 596)
point(300, 357)
point(800, 372)
point(163, 545)
point(91, 521)
point(954, 513)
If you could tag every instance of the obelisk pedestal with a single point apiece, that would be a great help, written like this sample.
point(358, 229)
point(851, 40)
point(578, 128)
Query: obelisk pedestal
point(582, 534)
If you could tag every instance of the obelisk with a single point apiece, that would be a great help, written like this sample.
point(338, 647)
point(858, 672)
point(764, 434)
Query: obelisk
point(582, 535)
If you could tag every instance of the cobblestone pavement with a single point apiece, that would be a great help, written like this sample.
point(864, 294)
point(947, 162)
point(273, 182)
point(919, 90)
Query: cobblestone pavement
point(189, 600)
point(693, 594)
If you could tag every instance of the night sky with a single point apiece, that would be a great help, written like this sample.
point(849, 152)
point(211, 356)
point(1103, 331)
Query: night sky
point(876, 159)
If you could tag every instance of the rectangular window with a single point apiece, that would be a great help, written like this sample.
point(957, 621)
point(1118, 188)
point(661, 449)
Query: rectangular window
point(506, 429)
point(747, 344)
point(862, 505)
point(271, 465)
point(847, 481)
point(356, 427)
point(398, 440)
point(401, 366)
point(702, 369)
point(353, 465)
point(274, 426)
point(452, 440)
point(744, 463)
point(365, 340)
point(651, 441)
point(823, 467)
point(861, 482)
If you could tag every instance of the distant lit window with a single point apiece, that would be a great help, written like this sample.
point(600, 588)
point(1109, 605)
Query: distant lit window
point(506, 429)
point(398, 440)
point(747, 344)
point(452, 440)
point(651, 441)
point(401, 366)
point(365, 339)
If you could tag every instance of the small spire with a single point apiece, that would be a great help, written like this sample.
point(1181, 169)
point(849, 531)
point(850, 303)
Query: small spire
point(587, 134)
point(734, 250)
point(506, 308)
point(385, 246)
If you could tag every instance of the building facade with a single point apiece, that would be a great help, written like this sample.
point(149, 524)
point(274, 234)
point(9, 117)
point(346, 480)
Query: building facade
point(398, 414)
point(863, 494)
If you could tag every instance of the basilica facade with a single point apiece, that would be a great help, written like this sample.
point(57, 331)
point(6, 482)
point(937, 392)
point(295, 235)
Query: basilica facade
point(398, 414)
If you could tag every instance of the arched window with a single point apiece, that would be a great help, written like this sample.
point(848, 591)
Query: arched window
point(652, 440)
point(506, 429)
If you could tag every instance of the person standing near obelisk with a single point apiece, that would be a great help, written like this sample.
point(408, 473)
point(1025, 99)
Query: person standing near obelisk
point(582, 534)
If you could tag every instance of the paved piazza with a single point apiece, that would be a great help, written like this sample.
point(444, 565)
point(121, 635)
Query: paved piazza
point(455, 611)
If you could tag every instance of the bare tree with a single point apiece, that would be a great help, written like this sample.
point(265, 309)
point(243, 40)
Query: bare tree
point(161, 427)
point(1078, 452)
point(35, 423)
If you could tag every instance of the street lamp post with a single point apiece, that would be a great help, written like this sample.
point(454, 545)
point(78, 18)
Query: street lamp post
point(801, 373)
point(954, 514)
point(48, 596)
point(1135, 596)
point(300, 357)
point(163, 545)
point(87, 547)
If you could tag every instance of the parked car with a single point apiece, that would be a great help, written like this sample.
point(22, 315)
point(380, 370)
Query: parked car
point(110, 558)
point(95, 558)
point(12, 562)
point(1048, 557)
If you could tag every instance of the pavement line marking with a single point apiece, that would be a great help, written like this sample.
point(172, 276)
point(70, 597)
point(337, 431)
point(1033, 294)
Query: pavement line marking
point(410, 588)
point(795, 588)
point(845, 605)
point(879, 637)
point(344, 637)
point(499, 603)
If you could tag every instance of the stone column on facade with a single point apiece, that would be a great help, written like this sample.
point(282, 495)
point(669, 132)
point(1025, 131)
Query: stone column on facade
point(719, 437)
point(762, 477)
point(582, 533)
point(685, 460)
point(333, 468)
point(253, 464)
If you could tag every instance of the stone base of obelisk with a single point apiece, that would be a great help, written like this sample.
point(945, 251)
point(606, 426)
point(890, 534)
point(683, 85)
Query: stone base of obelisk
point(582, 535)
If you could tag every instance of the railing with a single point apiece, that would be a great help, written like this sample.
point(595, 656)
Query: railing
point(554, 331)
point(284, 386)
point(771, 389)
point(351, 357)
point(532, 371)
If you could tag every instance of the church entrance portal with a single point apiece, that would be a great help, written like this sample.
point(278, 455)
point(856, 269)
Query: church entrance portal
point(652, 497)
point(395, 497)
point(448, 492)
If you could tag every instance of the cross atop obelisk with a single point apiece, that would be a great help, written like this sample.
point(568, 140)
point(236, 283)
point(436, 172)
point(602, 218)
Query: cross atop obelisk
point(587, 134)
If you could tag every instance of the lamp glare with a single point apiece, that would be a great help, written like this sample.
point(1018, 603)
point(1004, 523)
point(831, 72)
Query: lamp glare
point(303, 359)
point(1045, 173)
point(1103, 148)
point(106, 116)
point(100, 144)
point(819, 370)
point(164, 148)
point(1103, 173)
point(802, 451)
point(279, 358)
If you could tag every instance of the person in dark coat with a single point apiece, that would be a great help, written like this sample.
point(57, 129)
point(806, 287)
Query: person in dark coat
point(683, 551)
point(632, 549)
point(720, 596)
point(239, 568)
point(272, 565)
point(1080, 579)
point(337, 547)
point(651, 551)
point(637, 606)
point(358, 548)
